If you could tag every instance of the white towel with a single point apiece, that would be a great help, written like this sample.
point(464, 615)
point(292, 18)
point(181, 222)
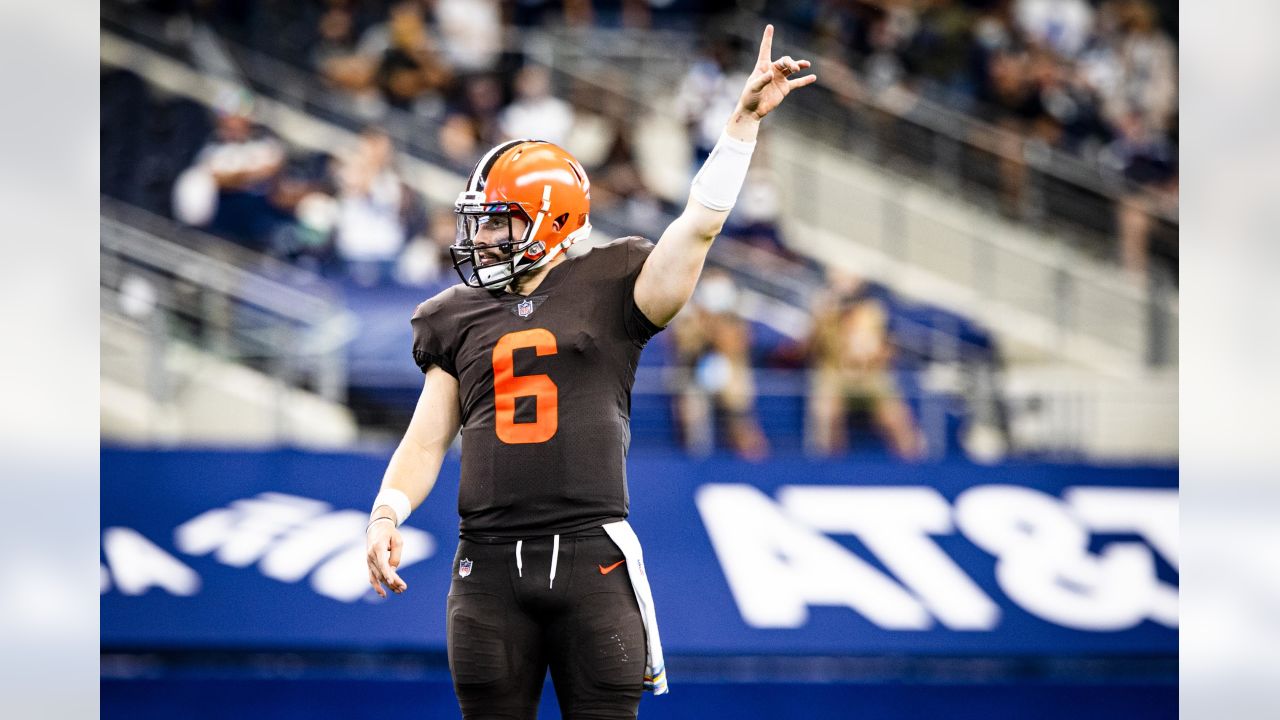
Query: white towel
point(655, 672)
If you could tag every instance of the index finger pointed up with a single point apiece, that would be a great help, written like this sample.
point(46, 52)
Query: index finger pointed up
point(766, 47)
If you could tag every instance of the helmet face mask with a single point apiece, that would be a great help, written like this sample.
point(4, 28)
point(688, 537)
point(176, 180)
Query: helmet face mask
point(487, 253)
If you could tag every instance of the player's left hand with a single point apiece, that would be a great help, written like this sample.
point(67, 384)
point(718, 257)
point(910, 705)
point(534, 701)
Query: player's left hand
point(771, 80)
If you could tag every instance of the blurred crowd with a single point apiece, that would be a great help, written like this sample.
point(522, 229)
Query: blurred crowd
point(1093, 78)
point(356, 218)
point(347, 214)
point(1096, 78)
point(350, 215)
point(859, 356)
point(1078, 75)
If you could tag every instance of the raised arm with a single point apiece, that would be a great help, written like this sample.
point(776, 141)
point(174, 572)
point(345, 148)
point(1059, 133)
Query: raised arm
point(410, 476)
point(670, 273)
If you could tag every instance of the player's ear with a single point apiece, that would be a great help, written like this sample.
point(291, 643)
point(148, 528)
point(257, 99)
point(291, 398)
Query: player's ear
point(559, 222)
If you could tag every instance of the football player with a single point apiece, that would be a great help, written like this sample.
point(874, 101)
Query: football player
point(533, 357)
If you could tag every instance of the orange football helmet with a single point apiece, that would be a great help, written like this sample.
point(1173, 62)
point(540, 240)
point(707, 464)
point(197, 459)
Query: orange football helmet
point(532, 179)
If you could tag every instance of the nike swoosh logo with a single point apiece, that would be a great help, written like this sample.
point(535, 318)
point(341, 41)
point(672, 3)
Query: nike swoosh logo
point(606, 570)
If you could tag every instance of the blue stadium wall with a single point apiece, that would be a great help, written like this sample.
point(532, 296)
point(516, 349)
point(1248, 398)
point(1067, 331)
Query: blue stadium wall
point(233, 585)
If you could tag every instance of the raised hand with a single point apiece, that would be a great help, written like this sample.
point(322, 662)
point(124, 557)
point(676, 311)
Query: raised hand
point(771, 80)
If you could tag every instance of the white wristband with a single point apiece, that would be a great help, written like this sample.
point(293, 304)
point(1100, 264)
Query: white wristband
point(397, 501)
point(717, 184)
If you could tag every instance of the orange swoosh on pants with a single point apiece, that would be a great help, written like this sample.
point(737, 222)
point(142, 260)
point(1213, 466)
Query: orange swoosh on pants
point(606, 570)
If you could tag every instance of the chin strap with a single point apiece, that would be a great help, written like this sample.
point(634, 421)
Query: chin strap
point(543, 211)
point(573, 237)
point(577, 235)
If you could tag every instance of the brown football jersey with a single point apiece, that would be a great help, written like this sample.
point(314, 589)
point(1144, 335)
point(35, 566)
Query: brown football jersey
point(544, 386)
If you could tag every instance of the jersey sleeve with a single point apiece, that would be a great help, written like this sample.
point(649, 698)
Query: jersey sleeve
point(639, 327)
point(433, 336)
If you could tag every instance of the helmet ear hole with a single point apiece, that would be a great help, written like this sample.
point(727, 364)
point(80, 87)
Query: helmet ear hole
point(559, 222)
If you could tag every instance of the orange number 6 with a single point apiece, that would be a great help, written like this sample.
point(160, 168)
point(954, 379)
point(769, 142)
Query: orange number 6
point(507, 386)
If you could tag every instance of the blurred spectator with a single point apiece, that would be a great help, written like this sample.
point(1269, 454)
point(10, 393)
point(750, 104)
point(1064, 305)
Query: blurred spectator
point(305, 190)
point(709, 93)
point(851, 352)
point(342, 60)
point(482, 100)
point(373, 209)
point(713, 345)
point(535, 112)
point(309, 243)
point(1077, 110)
point(1134, 70)
point(582, 14)
point(1023, 90)
point(1147, 159)
point(335, 36)
point(578, 13)
point(470, 33)
point(395, 59)
point(1063, 26)
point(426, 259)
point(888, 33)
point(1142, 77)
point(941, 50)
point(754, 219)
point(1061, 74)
point(228, 187)
point(618, 186)
point(410, 66)
point(460, 141)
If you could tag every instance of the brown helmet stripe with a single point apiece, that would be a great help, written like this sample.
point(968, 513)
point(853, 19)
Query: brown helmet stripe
point(480, 173)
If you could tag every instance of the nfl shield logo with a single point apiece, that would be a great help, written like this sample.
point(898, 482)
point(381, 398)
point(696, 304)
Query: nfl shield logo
point(525, 308)
point(464, 568)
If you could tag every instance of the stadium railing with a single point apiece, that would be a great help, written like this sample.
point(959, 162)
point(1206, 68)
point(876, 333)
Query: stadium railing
point(173, 285)
point(1073, 197)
